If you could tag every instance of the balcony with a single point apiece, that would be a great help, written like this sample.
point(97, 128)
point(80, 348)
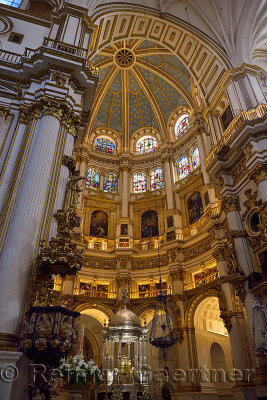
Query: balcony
point(149, 293)
point(202, 281)
point(236, 125)
point(96, 294)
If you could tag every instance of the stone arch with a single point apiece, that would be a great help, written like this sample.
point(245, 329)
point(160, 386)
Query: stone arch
point(98, 306)
point(194, 303)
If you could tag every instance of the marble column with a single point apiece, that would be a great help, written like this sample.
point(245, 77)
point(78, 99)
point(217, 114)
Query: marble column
point(125, 192)
point(120, 354)
point(22, 239)
point(108, 354)
point(104, 354)
point(112, 354)
point(168, 183)
point(137, 354)
point(259, 175)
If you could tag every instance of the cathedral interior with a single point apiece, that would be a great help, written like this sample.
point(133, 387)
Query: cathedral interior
point(133, 190)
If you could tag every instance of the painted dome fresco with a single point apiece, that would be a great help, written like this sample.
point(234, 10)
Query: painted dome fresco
point(140, 84)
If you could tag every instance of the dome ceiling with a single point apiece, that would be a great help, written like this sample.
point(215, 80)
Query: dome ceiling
point(140, 84)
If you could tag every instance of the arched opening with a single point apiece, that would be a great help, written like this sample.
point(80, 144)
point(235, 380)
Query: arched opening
point(213, 344)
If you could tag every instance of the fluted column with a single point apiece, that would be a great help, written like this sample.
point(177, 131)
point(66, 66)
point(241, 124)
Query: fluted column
point(120, 355)
point(259, 175)
point(168, 182)
point(108, 354)
point(140, 354)
point(112, 354)
point(137, 354)
point(21, 241)
point(104, 354)
point(125, 191)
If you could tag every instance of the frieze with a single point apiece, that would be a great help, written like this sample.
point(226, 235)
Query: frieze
point(239, 171)
point(100, 263)
point(151, 262)
point(234, 234)
point(201, 248)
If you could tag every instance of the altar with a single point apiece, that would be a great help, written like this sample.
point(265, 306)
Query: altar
point(124, 358)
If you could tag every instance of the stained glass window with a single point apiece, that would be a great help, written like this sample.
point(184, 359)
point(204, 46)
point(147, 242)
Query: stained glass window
point(146, 144)
point(183, 167)
point(139, 182)
point(104, 145)
point(181, 125)
point(110, 182)
point(195, 158)
point(12, 3)
point(157, 181)
point(92, 180)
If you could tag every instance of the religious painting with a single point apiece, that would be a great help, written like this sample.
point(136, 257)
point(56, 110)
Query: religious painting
point(170, 221)
point(162, 286)
point(227, 117)
point(85, 288)
point(149, 224)
point(124, 229)
point(99, 224)
point(144, 290)
point(195, 207)
point(102, 290)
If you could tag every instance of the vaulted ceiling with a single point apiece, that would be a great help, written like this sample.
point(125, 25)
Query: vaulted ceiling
point(140, 84)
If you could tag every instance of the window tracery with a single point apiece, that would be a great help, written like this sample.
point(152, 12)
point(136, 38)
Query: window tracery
point(104, 145)
point(110, 182)
point(195, 158)
point(157, 181)
point(92, 180)
point(181, 125)
point(183, 167)
point(146, 145)
point(139, 182)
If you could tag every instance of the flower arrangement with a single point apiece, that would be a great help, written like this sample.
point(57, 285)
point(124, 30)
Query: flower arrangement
point(147, 395)
point(117, 394)
point(78, 371)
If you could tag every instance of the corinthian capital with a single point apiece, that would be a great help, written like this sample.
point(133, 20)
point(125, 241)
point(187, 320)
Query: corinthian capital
point(230, 203)
point(259, 173)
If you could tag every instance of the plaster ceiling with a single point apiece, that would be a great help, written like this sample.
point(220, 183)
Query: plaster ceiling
point(140, 84)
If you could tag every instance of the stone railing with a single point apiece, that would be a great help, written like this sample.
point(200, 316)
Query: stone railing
point(236, 124)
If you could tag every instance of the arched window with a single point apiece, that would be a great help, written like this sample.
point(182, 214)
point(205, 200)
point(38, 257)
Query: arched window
point(181, 125)
point(146, 144)
point(12, 3)
point(183, 167)
point(139, 182)
point(99, 224)
point(110, 182)
point(195, 158)
point(157, 181)
point(104, 145)
point(195, 207)
point(92, 180)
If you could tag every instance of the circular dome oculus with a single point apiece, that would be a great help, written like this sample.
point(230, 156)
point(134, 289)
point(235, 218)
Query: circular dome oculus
point(124, 58)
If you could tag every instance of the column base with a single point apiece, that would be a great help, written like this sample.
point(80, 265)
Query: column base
point(9, 372)
point(8, 342)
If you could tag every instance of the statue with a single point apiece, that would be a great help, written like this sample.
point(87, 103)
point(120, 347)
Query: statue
point(72, 193)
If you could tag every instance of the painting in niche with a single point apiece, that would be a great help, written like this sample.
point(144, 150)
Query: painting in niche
point(195, 207)
point(170, 221)
point(144, 290)
point(227, 117)
point(161, 286)
point(99, 224)
point(124, 229)
point(170, 236)
point(149, 224)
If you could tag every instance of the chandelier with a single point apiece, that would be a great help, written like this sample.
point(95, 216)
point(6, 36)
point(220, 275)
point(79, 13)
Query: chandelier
point(163, 333)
